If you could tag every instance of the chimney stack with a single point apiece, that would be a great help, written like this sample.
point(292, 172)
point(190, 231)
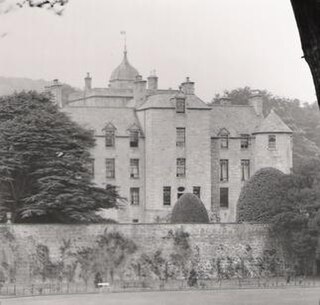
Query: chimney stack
point(87, 82)
point(153, 81)
point(56, 90)
point(256, 102)
point(187, 87)
point(139, 89)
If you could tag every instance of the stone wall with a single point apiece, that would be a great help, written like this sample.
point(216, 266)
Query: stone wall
point(75, 253)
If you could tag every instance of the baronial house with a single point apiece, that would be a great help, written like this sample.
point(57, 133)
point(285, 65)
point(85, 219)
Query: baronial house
point(156, 144)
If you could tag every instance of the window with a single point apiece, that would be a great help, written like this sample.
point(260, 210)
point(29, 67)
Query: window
point(181, 167)
point(167, 195)
point(224, 197)
point(134, 195)
point(181, 136)
point(135, 220)
point(224, 170)
point(110, 168)
point(224, 141)
point(196, 191)
point(180, 105)
point(90, 167)
point(112, 190)
point(134, 168)
point(272, 141)
point(245, 170)
point(110, 137)
point(244, 141)
point(134, 138)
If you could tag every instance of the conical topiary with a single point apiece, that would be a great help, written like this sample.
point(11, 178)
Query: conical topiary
point(261, 196)
point(189, 209)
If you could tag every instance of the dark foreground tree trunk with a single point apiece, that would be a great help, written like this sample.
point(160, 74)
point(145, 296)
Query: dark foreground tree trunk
point(307, 14)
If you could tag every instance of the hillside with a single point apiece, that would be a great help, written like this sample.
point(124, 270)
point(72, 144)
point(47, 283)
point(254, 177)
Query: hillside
point(10, 84)
point(303, 119)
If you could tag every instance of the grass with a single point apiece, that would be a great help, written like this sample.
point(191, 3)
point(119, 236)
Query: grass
point(287, 296)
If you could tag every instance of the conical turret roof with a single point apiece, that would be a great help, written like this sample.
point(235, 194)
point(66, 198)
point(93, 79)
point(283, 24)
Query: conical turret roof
point(272, 124)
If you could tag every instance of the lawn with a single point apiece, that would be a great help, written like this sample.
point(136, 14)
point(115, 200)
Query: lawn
point(288, 296)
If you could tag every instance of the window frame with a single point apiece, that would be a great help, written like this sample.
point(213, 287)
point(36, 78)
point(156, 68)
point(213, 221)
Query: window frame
point(181, 168)
point(224, 141)
point(134, 138)
point(272, 144)
point(180, 105)
point(244, 141)
point(135, 196)
point(224, 162)
point(113, 168)
point(111, 133)
point(245, 169)
point(166, 194)
point(180, 136)
point(224, 195)
point(134, 168)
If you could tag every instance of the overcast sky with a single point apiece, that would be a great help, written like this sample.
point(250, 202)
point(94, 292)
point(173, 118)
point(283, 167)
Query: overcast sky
point(220, 44)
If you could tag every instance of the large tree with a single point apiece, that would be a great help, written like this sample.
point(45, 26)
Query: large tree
point(44, 158)
point(307, 14)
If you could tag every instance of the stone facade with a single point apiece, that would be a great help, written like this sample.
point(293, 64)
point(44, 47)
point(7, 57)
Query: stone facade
point(177, 131)
point(60, 253)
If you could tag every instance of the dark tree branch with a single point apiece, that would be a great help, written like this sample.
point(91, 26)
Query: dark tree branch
point(307, 14)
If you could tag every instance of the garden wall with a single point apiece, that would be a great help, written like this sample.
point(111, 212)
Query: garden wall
point(76, 253)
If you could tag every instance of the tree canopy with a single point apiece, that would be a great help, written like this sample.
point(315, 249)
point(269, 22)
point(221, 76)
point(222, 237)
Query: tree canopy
point(290, 204)
point(45, 164)
point(189, 209)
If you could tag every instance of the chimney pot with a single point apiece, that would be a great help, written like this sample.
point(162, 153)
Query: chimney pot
point(187, 87)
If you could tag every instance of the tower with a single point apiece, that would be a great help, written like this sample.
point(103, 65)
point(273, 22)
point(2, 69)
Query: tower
point(273, 144)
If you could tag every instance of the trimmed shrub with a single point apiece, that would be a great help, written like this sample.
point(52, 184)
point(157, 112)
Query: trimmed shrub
point(261, 196)
point(189, 209)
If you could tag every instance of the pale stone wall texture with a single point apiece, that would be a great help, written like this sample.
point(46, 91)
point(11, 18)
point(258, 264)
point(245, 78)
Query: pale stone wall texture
point(51, 253)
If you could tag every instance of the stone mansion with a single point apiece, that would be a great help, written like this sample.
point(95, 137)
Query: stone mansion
point(155, 144)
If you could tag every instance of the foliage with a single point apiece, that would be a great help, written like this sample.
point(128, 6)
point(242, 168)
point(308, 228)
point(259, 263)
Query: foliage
point(261, 196)
point(293, 210)
point(189, 209)
point(44, 175)
point(112, 251)
point(56, 6)
point(155, 263)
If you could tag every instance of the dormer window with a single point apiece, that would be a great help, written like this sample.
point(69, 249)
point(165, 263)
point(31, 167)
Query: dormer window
point(245, 141)
point(109, 132)
point(180, 105)
point(224, 138)
point(134, 138)
point(110, 135)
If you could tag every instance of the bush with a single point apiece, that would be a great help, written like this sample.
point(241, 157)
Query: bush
point(261, 197)
point(189, 209)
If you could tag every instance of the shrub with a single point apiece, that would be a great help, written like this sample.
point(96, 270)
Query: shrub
point(261, 196)
point(189, 209)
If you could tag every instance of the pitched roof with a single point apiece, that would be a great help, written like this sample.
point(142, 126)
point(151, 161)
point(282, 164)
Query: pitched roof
point(235, 119)
point(97, 118)
point(272, 123)
point(167, 101)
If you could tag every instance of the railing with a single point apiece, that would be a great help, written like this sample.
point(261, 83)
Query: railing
point(154, 285)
